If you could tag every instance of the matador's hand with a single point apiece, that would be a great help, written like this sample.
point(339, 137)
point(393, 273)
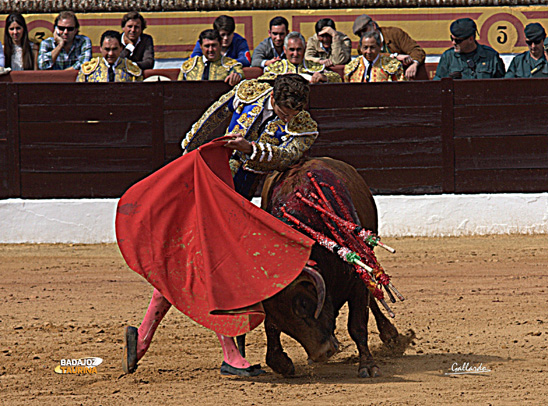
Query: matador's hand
point(239, 143)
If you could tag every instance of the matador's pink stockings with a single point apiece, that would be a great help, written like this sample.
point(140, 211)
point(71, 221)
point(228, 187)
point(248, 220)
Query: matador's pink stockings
point(231, 353)
point(156, 311)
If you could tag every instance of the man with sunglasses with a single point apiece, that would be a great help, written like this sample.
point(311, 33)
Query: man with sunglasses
point(66, 49)
point(531, 63)
point(468, 59)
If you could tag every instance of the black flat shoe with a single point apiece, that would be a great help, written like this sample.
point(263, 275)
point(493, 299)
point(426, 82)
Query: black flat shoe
point(253, 370)
point(129, 358)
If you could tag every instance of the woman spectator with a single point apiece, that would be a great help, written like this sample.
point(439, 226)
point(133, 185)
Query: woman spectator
point(20, 53)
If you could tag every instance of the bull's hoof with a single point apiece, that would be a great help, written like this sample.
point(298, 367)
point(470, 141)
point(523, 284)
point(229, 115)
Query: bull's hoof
point(371, 372)
point(281, 365)
point(389, 334)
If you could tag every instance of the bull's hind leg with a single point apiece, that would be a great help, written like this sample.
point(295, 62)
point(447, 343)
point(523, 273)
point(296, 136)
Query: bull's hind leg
point(358, 316)
point(276, 358)
point(388, 333)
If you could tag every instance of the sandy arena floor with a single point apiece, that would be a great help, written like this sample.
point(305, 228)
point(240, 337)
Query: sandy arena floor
point(476, 302)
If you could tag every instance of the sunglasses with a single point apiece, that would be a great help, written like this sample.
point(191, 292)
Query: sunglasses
point(69, 29)
point(458, 40)
point(530, 42)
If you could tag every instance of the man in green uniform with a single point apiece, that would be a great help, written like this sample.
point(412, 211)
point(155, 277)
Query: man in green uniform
point(532, 63)
point(468, 59)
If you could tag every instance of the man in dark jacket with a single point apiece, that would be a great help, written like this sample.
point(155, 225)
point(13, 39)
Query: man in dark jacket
point(271, 49)
point(468, 59)
point(531, 63)
point(138, 47)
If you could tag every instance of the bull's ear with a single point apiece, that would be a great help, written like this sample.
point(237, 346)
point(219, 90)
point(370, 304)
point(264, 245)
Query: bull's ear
point(303, 306)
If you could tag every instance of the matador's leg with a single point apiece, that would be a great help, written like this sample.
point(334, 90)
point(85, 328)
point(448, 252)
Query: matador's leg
point(234, 363)
point(137, 341)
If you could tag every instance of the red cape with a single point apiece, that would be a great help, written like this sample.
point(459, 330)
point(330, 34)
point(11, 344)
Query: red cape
point(213, 254)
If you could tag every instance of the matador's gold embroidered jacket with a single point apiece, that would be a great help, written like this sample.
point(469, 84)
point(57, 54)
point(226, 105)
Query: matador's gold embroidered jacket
point(96, 70)
point(306, 68)
point(193, 68)
point(277, 147)
point(385, 69)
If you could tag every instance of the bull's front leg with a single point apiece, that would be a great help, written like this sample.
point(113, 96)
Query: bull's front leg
point(276, 358)
point(358, 316)
point(388, 333)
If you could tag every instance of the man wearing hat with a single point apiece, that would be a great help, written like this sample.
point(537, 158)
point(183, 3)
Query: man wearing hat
point(396, 43)
point(468, 59)
point(532, 63)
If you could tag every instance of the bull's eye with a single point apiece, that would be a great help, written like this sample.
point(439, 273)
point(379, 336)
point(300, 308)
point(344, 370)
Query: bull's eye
point(303, 307)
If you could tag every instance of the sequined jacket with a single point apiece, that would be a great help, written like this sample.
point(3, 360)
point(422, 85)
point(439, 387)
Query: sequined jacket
point(305, 68)
point(277, 147)
point(193, 68)
point(96, 70)
point(384, 69)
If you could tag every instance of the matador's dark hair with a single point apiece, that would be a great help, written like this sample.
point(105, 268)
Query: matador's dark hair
point(291, 91)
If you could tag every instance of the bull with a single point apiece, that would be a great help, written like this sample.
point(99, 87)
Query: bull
point(298, 310)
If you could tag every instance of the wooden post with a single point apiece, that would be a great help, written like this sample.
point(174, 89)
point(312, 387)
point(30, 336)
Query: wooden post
point(13, 147)
point(158, 136)
point(447, 136)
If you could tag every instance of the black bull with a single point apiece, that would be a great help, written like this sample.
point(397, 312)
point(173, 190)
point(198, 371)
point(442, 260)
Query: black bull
point(292, 311)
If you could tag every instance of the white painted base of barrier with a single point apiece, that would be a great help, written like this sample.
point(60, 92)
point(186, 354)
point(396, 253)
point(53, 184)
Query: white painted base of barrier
point(89, 221)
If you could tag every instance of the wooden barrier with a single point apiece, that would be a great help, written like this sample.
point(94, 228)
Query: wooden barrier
point(94, 140)
point(58, 76)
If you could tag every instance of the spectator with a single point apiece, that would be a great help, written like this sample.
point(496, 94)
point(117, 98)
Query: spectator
point(66, 49)
point(397, 43)
point(138, 47)
point(294, 46)
point(468, 59)
point(371, 66)
point(271, 49)
point(532, 63)
point(20, 53)
point(232, 45)
point(211, 65)
point(328, 47)
point(110, 67)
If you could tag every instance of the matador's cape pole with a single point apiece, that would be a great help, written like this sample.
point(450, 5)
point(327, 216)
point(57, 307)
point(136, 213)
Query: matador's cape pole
point(213, 254)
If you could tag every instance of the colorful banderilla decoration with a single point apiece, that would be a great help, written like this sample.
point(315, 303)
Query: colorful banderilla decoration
point(373, 276)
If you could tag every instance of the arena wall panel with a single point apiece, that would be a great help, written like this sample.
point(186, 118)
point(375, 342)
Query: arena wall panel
point(72, 140)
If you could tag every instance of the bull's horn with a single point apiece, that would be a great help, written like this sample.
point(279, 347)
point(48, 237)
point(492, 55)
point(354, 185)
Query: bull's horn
point(319, 283)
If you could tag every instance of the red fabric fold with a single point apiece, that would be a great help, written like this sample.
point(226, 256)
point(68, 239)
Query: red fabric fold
point(205, 247)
